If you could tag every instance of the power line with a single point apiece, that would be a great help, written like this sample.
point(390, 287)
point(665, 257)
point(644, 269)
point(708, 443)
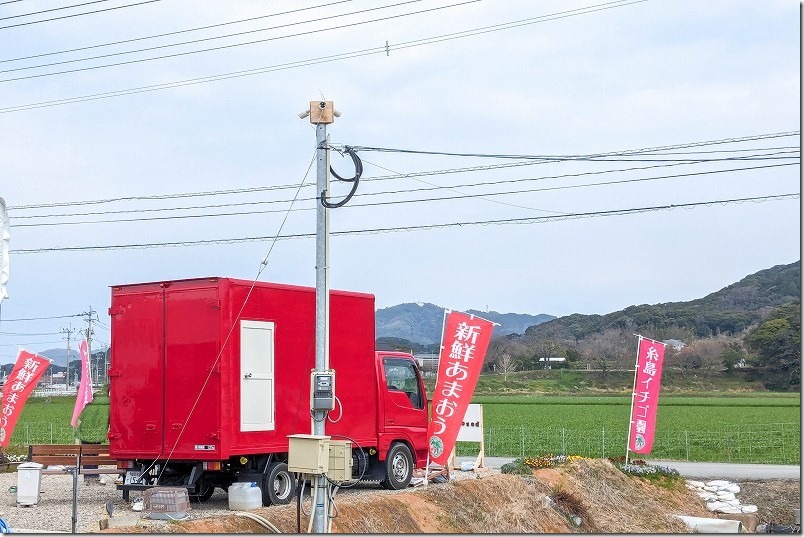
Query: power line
point(399, 202)
point(224, 47)
point(79, 14)
point(169, 45)
point(529, 220)
point(322, 59)
point(559, 158)
point(173, 33)
point(684, 145)
point(29, 333)
point(396, 176)
point(52, 9)
point(40, 318)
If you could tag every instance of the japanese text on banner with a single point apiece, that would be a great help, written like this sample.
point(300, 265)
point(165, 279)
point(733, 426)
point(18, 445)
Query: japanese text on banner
point(648, 378)
point(27, 371)
point(465, 341)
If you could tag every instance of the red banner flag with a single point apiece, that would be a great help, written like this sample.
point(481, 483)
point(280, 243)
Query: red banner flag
point(84, 396)
point(28, 368)
point(645, 397)
point(464, 343)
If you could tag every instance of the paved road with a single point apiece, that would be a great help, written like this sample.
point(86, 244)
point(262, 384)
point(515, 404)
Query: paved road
point(715, 470)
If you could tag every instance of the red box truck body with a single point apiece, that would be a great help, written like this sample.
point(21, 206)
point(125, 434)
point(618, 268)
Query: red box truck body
point(209, 376)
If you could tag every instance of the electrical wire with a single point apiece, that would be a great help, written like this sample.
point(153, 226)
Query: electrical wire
point(52, 9)
point(403, 201)
point(79, 14)
point(40, 318)
point(355, 180)
point(222, 47)
point(159, 47)
point(397, 176)
point(155, 36)
point(423, 227)
point(263, 265)
point(684, 145)
point(322, 59)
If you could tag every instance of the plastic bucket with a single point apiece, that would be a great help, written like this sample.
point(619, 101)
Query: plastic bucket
point(244, 496)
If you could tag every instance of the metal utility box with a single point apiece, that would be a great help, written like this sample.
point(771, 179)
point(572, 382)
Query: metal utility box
point(308, 454)
point(29, 483)
point(340, 460)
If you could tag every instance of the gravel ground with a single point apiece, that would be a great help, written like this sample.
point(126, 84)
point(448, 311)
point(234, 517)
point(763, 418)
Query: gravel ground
point(55, 507)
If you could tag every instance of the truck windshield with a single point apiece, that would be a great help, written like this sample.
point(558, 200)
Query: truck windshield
point(401, 375)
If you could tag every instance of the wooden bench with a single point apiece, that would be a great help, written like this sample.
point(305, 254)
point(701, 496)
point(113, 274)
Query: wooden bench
point(74, 455)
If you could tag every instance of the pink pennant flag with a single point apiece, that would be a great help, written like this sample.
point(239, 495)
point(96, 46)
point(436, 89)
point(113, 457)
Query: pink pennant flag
point(85, 388)
point(645, 397)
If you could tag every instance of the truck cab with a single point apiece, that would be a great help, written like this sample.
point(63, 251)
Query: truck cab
point(402, 406)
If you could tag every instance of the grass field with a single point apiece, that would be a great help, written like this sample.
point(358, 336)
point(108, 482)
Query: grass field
point(736, 429)
point(759, 427)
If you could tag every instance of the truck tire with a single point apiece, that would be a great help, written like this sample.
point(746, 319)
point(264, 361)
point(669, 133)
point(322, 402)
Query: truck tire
point(206, 492)
point(398, 467)
point(279, 486)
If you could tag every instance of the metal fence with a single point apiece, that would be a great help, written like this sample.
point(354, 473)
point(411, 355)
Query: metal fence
point(773, 443)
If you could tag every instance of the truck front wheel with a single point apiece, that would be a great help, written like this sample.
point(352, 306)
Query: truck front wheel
point(278, 487)
point(398, 467)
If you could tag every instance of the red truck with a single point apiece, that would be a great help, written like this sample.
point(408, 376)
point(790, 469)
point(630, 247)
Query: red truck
point(209, 376)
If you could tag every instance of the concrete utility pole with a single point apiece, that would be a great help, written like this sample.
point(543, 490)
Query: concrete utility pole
point(69, 331)
point(88, 333)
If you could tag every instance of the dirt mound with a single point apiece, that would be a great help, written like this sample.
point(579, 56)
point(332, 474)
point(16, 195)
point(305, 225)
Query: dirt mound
point(577, 497)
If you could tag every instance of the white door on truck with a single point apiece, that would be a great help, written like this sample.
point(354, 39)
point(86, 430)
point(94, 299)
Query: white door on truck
point(256, 376)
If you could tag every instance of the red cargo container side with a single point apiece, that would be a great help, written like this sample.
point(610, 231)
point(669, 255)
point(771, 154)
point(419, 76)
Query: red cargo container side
point(210, 376)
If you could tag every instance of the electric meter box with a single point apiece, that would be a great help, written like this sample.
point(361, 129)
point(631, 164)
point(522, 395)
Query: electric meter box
point(308, 454)
point(340, 460)
point(322, 390)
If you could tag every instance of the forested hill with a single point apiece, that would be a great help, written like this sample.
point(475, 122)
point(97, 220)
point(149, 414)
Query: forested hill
point(728, 311)
point(422, 322)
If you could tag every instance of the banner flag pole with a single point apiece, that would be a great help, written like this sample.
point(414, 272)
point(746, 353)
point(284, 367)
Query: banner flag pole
point(633, 395)
point(440, 348)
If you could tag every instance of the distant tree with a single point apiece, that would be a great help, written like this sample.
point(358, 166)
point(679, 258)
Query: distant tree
point(506, 366)
point(732, 355)
point(776, 343)
point(686, 360)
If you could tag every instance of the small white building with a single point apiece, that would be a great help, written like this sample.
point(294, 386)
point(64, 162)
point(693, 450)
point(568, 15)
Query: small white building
point(548, 363)
point(676, 344)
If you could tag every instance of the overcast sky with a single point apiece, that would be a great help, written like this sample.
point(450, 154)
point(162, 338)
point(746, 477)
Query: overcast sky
point(553, 78)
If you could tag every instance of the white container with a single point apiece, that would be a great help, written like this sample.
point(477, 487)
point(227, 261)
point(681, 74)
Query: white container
point(244, 496)
point(29, 483)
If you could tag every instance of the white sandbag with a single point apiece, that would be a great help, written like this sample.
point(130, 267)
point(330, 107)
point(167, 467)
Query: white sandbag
point(710, 488)
point(717, 483)
point(714, 506)
point(734, 487)
point(748, 508)
point(734, 503)
point(725, 496)
point(729, 509)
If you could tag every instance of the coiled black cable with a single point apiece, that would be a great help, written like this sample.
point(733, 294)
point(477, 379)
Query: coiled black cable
point(354, 180)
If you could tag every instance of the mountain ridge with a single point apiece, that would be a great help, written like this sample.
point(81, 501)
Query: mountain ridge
point(421, 322)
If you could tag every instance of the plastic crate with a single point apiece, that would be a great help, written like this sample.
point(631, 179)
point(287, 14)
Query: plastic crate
point(166, 502)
